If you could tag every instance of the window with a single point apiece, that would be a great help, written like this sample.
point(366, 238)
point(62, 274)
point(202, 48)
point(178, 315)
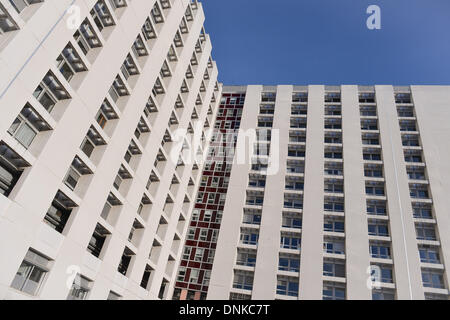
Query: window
point(296, 151)
point(375, 207)
point(295, 166)
point(419, 191)
point(252, 217)
point(293, 201)
point(333, 291)
point(300, 97)
point(97, 240)
point(27, 126)
point(181, 274)
point(297, 136)
point(249, 237)
point(333, 110)
point(140, 50)
point(243, 280)
point(289, 262)
point(199, 253)
point(334, 186)
point(298, 123)
point(333, 153)
point(118, 89)
point(105, 114)
point(299, 110)
point(413, 156)
point(378, 228)
point(80, 288)
point(255, 199)
point(162, 289)
point(407, 125)
point(265, 122)
point(20, 5)
point(268, 96)
point(31, 273)
point(380, 250)
point(405, 112)
point(50, 91)
point(287, 286)
point(374, 188)
point(333, 268)
point(191, 234)
point(370, 139)
point(110, 203)
point(116, 4)
point(11, 168)
point(367, 97)
point(335, 246)
point(239, 296)
point(7, 24)
point(429, 254)
point(76, 170)
point(383, 294)
point(333, 97)
point(156, 14)
point(91, 141)
point(257, 181)
point(415, 173)
point(368, 111)
point(69, 63)
point(433, 279)
point(333, 169)
point(101, 15)
point(291, 220)
point(267, 109)
point(333, 124)
point(294, 183)
point(59, 212)
point(422, 210)
point(146, 276)
point(125, 261)
point(246, 258)
point(402, 98)
point(129, 67)
point(333, 204)
point(372, 154)
point(369, 124)
point(333, 137)
point(290, 241)
point(373, 170)
point(426, 231)
point(433, 296)
point(86, 38)
point(333, 225)
point(410, 140)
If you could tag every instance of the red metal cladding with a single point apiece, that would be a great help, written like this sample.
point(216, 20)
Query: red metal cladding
point(199, 249)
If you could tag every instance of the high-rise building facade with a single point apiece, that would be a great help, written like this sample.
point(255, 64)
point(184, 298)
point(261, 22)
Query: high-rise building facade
point(198, 254)
point(345, 195)
point(94, 199)
point(128, 172)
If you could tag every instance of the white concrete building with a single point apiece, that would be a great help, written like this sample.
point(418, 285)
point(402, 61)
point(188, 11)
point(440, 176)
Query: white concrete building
point(351, 202)
point(91, 92)
point(360, 196)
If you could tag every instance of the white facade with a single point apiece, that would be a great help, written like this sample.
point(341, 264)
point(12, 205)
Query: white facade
point(363, 181)
point(66, 77)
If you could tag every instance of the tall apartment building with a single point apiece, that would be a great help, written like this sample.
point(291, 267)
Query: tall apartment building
point(92, 92)
point(108, 109)
point(346, 197)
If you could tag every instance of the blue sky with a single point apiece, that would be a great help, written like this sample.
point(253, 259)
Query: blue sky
point(327, 42)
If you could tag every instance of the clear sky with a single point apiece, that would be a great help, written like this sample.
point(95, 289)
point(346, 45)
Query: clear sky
point(327, 41)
